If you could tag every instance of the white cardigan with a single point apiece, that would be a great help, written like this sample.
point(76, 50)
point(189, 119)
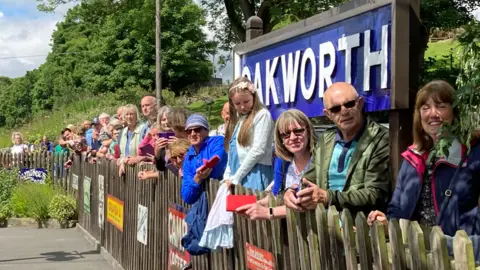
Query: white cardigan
point(259, 150)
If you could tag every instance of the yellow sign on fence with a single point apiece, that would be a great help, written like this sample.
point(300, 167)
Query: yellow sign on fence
point(115, 212)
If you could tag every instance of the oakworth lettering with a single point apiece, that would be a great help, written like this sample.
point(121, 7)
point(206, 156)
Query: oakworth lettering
point(322, 67)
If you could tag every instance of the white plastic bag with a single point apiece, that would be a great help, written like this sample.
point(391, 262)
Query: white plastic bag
point(218, 231)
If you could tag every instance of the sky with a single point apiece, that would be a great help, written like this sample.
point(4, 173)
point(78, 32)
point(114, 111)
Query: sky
point(25, 31)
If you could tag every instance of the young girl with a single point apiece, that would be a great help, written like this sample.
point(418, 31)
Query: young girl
point(248, 138)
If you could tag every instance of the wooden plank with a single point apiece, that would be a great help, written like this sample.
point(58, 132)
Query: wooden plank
point(396, 243)
point(336, 244)
point(349, 240)
point(292, 239)
point(323, 237)
point(463, 251)
point(438, 245)
point(417, 246)
point(379, 246)
point(302, 240)
point(363, 242)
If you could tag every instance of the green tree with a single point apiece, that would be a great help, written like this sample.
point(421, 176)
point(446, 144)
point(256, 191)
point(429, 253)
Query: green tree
point(230, 16)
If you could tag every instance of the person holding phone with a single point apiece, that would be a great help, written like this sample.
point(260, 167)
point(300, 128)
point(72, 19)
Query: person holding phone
point(248, 138)
point(173, 128)
point(203, 147)
point(295, 141)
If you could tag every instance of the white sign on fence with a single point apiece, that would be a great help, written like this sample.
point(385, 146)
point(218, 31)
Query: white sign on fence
point(142, 224)
point(75, 181)
point(101, 201)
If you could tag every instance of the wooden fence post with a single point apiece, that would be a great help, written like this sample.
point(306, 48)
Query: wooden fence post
point(254, 27)
point(463, 251)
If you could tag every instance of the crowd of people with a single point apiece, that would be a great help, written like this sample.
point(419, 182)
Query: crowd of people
point(346, 166)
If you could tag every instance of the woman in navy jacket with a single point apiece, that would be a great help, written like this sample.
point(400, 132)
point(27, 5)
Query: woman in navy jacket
point(423, 185)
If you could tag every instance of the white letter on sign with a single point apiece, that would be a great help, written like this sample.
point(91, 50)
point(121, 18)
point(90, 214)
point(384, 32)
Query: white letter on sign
point(246, 72)
point(326, 48)
point(270, 82)
point(308, 55)
point(376, 58)
point(290, 75)
point(258, 81)
point(347, 44)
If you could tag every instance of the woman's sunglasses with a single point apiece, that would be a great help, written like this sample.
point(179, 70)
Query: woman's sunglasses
point(347, 105)
point(297, 131)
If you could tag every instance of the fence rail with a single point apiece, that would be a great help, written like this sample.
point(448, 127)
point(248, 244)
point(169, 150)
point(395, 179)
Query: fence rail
point(140, 224)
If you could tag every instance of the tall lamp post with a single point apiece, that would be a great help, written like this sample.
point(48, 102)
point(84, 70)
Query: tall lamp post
point(158, 56)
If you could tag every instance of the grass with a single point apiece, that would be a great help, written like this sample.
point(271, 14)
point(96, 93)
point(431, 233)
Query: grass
point(51, 123)
point(214, 118)
point(441, 48)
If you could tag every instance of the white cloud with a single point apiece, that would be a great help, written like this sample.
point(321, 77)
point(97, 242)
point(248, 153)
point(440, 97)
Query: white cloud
point(25, 31)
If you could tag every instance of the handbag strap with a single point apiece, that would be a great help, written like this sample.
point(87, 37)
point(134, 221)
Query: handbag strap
point(448, 191)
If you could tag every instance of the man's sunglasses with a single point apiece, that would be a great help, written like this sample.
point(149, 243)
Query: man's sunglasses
point(297, 131)
point(347, 105)
point(196, 130)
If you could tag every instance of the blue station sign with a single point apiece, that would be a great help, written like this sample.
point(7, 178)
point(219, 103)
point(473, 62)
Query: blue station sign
point(294, 73)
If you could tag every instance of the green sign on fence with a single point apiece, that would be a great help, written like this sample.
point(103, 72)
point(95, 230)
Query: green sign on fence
point(87, 182)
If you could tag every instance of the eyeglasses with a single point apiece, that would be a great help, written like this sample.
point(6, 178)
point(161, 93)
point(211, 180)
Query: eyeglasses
point(177, 156)
point(196, 130)
point(347, 105)
point(297, 131)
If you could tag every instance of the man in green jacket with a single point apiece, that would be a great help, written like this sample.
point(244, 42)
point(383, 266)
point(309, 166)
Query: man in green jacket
point(350, 165)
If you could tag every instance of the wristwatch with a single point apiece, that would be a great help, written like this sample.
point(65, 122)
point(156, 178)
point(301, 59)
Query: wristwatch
point(270, 209)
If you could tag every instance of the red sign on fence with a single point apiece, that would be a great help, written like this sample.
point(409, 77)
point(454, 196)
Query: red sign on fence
point(258, 259)
point(178, 257)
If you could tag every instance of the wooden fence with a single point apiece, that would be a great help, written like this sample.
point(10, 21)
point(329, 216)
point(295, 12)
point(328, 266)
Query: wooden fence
point(115, 210)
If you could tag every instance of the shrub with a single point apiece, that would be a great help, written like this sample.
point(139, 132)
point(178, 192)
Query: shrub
point(32, 200)
point(63, 208)
point(8, 181)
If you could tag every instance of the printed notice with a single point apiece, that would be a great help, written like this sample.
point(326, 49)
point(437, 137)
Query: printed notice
point(87, 183)
point(178, 257)
point(142, 223)
point(101, 201)
point(258, 259)
point(75, 181)
point(115, 212)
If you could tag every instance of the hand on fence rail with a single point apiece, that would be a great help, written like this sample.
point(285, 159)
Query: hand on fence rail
point(312, 195)
point(376, 216)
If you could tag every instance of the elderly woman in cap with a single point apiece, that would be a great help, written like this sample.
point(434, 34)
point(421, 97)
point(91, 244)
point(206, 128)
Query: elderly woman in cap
point(202, 147)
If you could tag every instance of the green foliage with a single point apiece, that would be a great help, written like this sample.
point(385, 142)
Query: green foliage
point(8, 182)
point(32, 200)
point(229, 16)
point(63, 208)
point(467, 97)
point(105, 46)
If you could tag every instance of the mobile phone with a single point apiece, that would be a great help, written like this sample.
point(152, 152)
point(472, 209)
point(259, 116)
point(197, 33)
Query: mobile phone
point(235, 201)
point(165, 135)
point(210, 164)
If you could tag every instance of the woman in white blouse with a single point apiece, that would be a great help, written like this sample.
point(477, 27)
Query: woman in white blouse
point(248, 138)
point(18, 146)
